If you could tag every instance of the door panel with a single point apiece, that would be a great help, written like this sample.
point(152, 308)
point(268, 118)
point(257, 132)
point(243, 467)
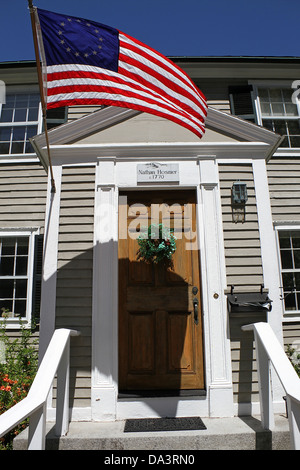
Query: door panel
point(160, 343)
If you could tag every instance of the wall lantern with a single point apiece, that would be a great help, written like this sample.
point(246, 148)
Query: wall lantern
point(239, 197)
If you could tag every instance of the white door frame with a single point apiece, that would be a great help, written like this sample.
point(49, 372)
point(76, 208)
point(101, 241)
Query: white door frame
point(112, 175)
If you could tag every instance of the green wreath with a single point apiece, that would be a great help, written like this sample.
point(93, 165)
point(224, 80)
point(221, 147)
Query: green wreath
point(157, 244)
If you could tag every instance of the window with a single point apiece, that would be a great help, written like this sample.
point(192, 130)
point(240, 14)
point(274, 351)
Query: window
point(241, 102)
point(56, 117)
point(278, 113)
point(289, 245)
point(20, 119)
point(18, 270)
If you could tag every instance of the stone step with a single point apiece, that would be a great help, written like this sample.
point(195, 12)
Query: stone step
point(237, 433)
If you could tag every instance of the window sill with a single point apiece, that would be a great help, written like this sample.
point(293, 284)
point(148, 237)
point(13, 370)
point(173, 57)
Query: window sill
point(18, 158)
point(287, 151)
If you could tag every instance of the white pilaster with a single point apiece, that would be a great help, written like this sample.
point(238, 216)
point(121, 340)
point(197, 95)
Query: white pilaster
point(269, 259)
point(104, 336)
point(219, 378)
point(48, 296)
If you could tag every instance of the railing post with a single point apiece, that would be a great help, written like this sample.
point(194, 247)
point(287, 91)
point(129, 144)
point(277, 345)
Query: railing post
point(62, 399)
point(37, 429)
point(294, 422)
point(264, 382)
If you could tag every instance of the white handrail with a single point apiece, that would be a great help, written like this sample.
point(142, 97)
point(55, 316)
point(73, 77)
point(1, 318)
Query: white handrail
point(55, 361)
point(269, 349)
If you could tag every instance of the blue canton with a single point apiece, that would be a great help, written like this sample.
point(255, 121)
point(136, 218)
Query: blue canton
point(70, 40)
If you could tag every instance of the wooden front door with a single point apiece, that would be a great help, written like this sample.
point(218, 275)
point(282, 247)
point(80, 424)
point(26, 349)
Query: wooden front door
point(160, 322)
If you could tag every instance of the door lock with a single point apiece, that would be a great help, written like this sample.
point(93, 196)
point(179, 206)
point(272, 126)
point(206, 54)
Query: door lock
point(196, 312)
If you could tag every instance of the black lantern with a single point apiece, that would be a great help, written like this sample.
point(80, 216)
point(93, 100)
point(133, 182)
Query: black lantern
point(239, 197)
point(239, 193)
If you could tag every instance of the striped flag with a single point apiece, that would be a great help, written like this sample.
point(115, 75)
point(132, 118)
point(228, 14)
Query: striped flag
point(88, 63)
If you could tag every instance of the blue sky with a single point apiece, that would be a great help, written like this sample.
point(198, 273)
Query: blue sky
point(173, 27)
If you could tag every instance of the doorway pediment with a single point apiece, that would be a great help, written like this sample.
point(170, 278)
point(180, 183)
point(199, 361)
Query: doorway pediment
point(111, 129)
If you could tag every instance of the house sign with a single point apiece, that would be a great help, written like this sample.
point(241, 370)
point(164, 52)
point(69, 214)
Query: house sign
point(158, 173)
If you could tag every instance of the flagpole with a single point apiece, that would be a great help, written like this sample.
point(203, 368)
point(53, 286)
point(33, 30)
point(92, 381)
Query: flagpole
point(40, 80)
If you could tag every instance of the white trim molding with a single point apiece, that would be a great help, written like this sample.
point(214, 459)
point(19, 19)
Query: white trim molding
point(269, 260)
point(48, 296)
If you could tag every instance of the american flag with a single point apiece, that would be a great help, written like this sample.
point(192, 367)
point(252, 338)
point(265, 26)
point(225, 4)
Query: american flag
point(88, 63)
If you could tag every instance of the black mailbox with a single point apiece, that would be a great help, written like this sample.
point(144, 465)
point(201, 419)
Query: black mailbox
point(249, 301)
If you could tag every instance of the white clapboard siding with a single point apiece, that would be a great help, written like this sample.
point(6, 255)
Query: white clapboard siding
point(23, 190)
point(76, 112)
point(284, 187)
point(241, 240)
point(291, 333)
point(75, 273)
point(244, 272)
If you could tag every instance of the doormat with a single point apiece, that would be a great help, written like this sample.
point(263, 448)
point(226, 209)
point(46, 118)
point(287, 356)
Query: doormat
point(164, 424)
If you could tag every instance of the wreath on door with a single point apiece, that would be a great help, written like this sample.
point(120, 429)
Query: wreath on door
point(156, 244)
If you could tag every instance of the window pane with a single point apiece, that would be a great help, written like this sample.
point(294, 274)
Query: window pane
point(21, 265)
point(5, 305)
point(268, 124)
point(28, 147)
point(8, 246)
point(6, 115)
point(17, 147)
point(263, 94)
point(31, 131)
point(275, 95)
point(280, 126)
point(297, 281)
point(291, 109)
point(21, 289)
point(287, 94)
point(21, 100)
point(288, 281)
point(56, 113)
point(284, 239)
point(33, 114)
point(285, 142)
point(19, 133)
point(5, 133)
point(22, 245)
point(297, 259)
point(265, 109)
point(10, 100)
point(286, 259)
point(34, 100)
point(290, 302)
point(295, 239)
point(293, 127)
point(4, 148)
point(295, 141)
point(278, 109)
point(20, 115)
point(20, 308)
point(6, 288)
point(7, 266)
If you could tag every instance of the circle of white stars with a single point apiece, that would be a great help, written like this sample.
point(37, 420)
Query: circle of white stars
point(77, 53)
